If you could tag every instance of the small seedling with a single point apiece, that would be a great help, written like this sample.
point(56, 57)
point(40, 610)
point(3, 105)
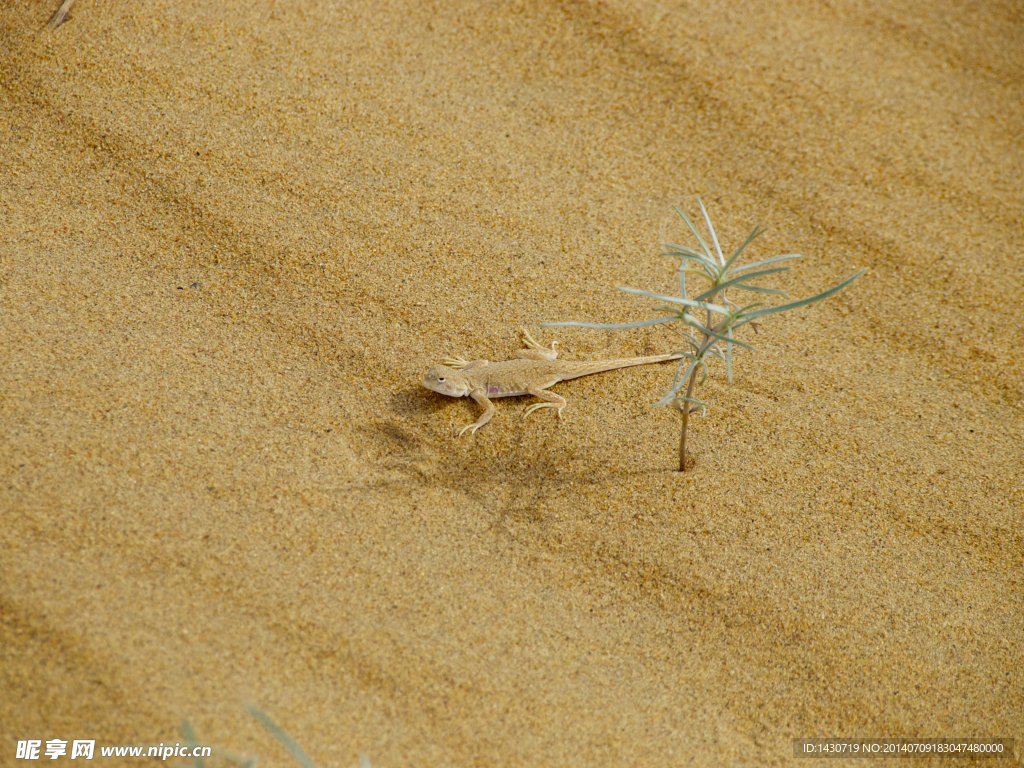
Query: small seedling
point(721, 316)
point(229, 758)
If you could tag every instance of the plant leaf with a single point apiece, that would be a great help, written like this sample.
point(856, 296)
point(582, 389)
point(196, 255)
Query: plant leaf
point(695, 401)
point(759, 289)
point(677, 382)
point(709, 265)
point(684, 334)
point(727, 340)
point(682, 251)
point(190, 741)
point(675, 300)
point(803, 302)
point(761, 263)
point(758, 231)
point(711, 229)
point(715, 352)
point(283, 737)
point(737, 280)
point(707, 251)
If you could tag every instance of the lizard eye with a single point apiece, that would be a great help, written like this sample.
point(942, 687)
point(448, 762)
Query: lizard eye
point(440, 378)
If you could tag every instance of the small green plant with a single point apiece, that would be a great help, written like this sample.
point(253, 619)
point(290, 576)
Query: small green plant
point(229, 758)
point(720, 317)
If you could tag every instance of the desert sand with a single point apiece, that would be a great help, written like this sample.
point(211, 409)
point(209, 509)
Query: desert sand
point(234, 235)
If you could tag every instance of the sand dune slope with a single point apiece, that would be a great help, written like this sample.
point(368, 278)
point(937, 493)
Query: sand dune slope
point(232, 237)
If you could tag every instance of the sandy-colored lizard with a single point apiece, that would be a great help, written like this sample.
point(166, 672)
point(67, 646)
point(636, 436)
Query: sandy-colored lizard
point(534, 371)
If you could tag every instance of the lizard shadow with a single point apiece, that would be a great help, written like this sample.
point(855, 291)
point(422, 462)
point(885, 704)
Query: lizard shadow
point(508, 472)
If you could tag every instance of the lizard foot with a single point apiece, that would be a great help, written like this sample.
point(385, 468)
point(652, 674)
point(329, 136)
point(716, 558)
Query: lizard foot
point(534, 350)
point(471, 428)
point(557, 406)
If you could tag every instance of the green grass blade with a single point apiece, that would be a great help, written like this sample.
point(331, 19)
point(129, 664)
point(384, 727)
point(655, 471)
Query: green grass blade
point(609, 326)
point(758, 231)
point(696, 234)
point(711, 229)
point(802, 302)
point(763, 262)
point(675, 300)
point(191, 743)
point(283, 737)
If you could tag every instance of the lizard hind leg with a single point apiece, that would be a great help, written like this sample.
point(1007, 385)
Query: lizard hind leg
point(534, 350)
point(551, 401)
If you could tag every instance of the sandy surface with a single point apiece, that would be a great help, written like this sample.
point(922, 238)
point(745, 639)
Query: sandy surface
point(235, 234)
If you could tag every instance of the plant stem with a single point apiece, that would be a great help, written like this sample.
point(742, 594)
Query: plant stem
point(687, 405)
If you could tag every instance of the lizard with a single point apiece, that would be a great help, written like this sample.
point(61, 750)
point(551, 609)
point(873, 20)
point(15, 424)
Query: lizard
point(535, 369)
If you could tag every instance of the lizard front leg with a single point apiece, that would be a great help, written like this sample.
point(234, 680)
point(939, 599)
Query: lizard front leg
point(487, 405)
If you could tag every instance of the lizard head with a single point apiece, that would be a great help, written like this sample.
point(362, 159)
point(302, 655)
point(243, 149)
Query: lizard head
point(446, 381)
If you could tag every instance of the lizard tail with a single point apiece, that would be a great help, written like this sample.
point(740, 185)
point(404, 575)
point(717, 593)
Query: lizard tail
point(573, 369)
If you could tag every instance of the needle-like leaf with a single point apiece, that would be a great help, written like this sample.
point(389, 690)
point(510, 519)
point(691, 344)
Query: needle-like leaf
point(711, 229)
point(758, 231)
point(759, 289)
point(710, 267)
point(695, 401)
point(802, 302)
point(737, 282)
point(677, 382)
point(696, 234)
point(682, 251)
point(675, 300)
point(727, 340)
point(757, 264)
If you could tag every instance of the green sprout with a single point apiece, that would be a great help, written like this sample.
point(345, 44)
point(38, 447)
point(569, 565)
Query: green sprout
point(719, 317)
point(229, 758)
